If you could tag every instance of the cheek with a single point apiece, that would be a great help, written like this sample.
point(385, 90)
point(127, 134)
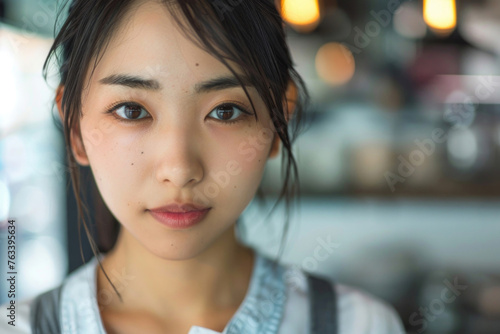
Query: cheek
point(241, 159)
point(111, 160)
point(254, 148)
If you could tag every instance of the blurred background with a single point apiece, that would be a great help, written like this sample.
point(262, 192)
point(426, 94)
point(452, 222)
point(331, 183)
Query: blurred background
point(398, 167)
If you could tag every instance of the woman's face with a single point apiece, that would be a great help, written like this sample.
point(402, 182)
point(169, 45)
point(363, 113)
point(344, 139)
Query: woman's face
point(179, 144)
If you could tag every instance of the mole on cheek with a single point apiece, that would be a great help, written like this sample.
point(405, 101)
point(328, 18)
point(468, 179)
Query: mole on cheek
point(197, 64)
point(133, 163)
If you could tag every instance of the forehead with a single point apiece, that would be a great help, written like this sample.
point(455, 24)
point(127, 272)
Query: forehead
point(148, 42)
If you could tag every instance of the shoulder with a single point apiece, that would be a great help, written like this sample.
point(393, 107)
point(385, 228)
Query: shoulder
point(73, 289)
point(357, 311)
point(18, 317)
point(361, 312)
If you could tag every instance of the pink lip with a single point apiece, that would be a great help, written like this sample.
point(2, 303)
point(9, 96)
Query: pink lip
point(179, 220)
point(179, 208)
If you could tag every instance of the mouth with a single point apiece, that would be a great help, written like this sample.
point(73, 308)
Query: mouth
point(181, 219)
point(179, 208)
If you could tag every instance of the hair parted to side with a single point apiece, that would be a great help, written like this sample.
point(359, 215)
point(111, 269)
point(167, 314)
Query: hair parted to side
point(248, 33)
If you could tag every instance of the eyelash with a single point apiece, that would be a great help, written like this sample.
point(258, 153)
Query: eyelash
point(110, 110)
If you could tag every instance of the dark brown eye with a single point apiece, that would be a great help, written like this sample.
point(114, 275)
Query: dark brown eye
point(225, 112)
point(130, 112)
point(229, 113)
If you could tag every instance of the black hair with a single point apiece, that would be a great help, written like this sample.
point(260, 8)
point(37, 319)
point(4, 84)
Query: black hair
point(249, 33)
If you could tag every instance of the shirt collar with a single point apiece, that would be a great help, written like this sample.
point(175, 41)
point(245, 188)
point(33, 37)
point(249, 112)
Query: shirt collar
point(260, 312)
point(262, 308)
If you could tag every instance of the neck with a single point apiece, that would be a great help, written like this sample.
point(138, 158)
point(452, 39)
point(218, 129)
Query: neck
point(215, 280)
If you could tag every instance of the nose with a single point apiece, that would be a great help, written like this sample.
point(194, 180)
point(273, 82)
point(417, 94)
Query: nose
point(179, 162)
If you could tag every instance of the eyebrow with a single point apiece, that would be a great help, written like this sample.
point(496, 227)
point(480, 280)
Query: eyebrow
point(131, 82)
point(220, 83)
point(215, 84)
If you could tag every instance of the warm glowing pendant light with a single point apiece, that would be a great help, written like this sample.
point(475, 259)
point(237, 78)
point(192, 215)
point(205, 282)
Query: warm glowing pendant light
point(440, 15)
point(303, 15)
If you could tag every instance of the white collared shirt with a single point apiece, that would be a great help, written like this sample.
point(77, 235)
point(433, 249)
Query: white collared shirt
point(276, 303)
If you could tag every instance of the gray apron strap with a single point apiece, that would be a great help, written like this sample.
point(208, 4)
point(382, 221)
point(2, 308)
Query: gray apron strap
point(323, 305)
point(44, 312)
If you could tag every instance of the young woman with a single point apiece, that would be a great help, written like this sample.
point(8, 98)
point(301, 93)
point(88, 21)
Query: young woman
point(176, 106)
